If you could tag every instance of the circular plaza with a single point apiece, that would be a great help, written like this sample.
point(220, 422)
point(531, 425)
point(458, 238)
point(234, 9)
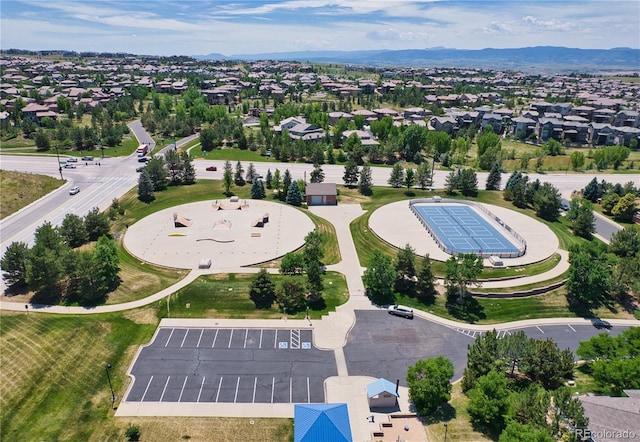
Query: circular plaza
point(398, 224)
point(228, 233)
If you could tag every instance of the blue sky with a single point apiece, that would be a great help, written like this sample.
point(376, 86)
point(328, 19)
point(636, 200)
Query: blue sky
point(188, 27)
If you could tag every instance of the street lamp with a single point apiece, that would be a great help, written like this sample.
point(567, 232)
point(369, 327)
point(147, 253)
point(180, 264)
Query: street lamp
point(59, 165)
point(446, 427)
point(113, 395)
point(101, 148)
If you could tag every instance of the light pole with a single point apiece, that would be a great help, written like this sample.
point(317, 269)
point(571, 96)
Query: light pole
point(113, 395)
point(446, 427)
point(59, 165)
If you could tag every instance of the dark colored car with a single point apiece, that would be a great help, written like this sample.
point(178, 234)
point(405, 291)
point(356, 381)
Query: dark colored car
point(212, 168)
point(143, 159)
point(139, 168)
point(87, 158)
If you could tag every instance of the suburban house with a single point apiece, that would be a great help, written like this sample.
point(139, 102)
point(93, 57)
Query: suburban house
point(321, 194)
point(334, 117)
point(612, 418)
point(366, 137)
point(601, 134)
point(493, 120)
point(36, 112)
point(624, 134)
point(548, 128)
point(299, 129)
point(522, 125)
point(446, 124)
point(629, 118)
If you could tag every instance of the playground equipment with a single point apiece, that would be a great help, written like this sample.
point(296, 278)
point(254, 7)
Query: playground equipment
point(179, 221)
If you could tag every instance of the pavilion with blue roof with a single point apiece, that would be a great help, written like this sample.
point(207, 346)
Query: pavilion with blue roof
point(321, 423)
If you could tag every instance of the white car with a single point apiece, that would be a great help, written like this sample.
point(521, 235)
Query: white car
point(74, 190)
point(401, 310)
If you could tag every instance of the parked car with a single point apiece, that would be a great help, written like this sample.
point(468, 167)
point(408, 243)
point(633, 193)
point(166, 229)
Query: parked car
point(72, 160)
point(401, 310)
point(143, 159)
point(140, 168)
point(69, 166)
point(87, 158)
point(74, 190)
point(601, 323)
point(212, 168)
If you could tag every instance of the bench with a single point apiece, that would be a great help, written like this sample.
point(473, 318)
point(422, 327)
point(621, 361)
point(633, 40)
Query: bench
point(255, 234)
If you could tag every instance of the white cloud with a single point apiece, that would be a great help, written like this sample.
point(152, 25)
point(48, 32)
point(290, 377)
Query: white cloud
point(395, 34)
point(549, 25)
point(495, 28)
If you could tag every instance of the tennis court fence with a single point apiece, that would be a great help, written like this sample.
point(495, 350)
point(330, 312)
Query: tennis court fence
point(522, 243)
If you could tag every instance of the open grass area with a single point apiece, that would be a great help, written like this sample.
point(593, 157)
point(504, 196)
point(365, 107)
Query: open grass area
point(227, 296)
point(231, 154)
point(18, 190)
point(53, 383)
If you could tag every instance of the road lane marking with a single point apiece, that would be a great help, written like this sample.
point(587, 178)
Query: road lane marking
point(183, 385)
point(219, 385)
point(275, 340)
point(164, 389)
point(246, 333)
point(260, 345)
point(200, 392)
point(145, 390)
point(230, 338)
point(215, 337)
point(169, 338)
point(572, 328)
point(185, 338)
point(290, 390)
point(308, 394)
point(273, 386)
point(255, 382)
point(200, 338)
point(235, 397)
point(540, 329)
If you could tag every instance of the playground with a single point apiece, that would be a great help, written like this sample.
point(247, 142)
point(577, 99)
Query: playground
point(230, 233)
point(398, 224)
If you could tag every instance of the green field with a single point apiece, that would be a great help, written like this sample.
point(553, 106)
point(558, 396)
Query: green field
point(18, 190)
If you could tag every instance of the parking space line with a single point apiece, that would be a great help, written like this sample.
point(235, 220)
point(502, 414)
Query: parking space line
point(260, 345)
point(215, 337)
point(273, 386)
point(169, 338)
point(164, 389)
point(219, 385)
point(290, 390)
point(308, 393)
point(246, 333)
point(540, 329)
point(185, 337)
point(201, 385)
point(145, 390)
point(200, 338)
point(235, 397)
point(275, 340)
point(255, 382)
point(230, 337)
point(571, 327)
point(183, 385)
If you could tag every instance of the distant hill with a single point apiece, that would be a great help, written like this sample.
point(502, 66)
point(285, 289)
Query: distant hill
point(537, 58)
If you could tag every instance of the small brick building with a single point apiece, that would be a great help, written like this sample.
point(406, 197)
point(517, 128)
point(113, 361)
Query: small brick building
point(321, 194)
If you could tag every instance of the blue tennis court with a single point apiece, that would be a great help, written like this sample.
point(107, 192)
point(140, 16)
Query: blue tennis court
point(463, 230)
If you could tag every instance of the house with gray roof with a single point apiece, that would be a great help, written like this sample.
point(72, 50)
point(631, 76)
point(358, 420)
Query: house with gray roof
point(612, 418)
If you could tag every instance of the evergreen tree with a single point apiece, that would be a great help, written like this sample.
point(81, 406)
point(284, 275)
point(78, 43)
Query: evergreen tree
point(251, 173)
point(238, 177)
point(451, 182)
point(331, 159)
point(317, 175)
point(263, 290)
point(581, 216)
point(409, 178)
point(97, 224)
point(286, 183)
point(396, 179)
point(268, 178)
point(227, 178)
point(46, 259)
point(423, 175)
point(426, 279)
point(188, 171)
point(73, 230)
point(351, 173)
point(106, 265)
point(257, 190)
point(591, 191)
point(14, 263)
point(172, 160)
point(468, 182)
point(156, 170)
point(546, 201)
point(379, 278)
point(494, 178)
point(365, 185)
point(294, 197)
point(145, 187)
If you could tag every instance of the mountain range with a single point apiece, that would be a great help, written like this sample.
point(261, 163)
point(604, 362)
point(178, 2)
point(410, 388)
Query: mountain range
point(536, 58)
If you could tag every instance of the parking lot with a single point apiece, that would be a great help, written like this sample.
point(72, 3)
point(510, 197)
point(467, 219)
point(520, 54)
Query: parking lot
point(231, 365)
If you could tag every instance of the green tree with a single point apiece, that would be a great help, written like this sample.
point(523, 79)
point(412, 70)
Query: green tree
point(42, 140)
point(292, 264)
point(262, 291)
point(238, 177)
point(429, 382)
point(257, 190)
point(486, 140)
point(488, 400)
point(405, 262)
point(379, 278)
point(409, 178)
point(268, 178)
point(46, 259)
point(495, 177)
point(351, 173)
point(423, 175)
point(227, 178)
point(513, 348)
point(546, 202)
point(625, 209)
point(276, 182)
point(291, 294)
point(468, 182)
point(317, 174)
point(396, 179)
point(609, 202)
point(547, 365)
point(518, 432)
point(461, 272)
point(172, 160)
point(286, 182)
point(530, 406)
point(577, 160)
point(553, 148)
point(426, 279)
point(145, 187)
point(414, 138)
point(251, 173)
point(592, 191)
point(294, 197)
point(624, 243)
point(97, 224)
point(188, 171)
point(365, 184)
point(451, 182)
point(482, 357)
point(132, 433)
point(588, 280)
point(14, 263)
point(106, 265)
point(582, 218)
point(73, 230)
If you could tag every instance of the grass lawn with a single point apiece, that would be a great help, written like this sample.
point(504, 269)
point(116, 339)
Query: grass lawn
point(53, 384)
point(231, 154)
point(227, 296)
point(19, 189)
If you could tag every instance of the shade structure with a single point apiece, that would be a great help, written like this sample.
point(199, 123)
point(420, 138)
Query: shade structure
point(321, 423)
